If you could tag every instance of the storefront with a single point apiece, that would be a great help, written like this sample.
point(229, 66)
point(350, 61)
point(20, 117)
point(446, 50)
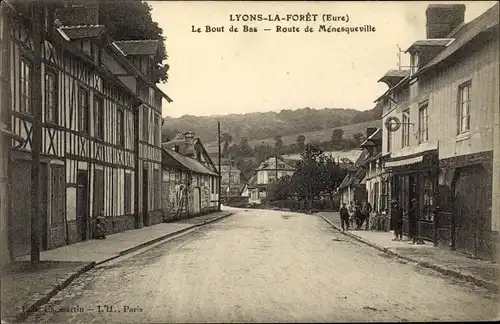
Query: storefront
point(414, 184)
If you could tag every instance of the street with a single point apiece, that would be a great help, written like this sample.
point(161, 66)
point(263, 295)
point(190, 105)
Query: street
point(265, 266)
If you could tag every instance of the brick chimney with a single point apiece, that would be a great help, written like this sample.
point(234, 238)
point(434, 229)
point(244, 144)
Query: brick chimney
point(78, 12)
point(442, 19)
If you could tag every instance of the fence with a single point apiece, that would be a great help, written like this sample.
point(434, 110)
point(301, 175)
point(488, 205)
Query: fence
point(303, 205)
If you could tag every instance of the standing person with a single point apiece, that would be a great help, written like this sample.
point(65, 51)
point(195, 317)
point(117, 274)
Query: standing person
point(366, 209)
point(344, 217)
point(357, 214)
point(351, 213)
point(397, 220)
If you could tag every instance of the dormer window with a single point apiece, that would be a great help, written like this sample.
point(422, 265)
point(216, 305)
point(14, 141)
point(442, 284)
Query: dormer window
point(414, 63)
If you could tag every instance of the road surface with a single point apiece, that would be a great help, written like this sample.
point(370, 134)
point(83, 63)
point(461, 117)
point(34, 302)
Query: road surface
point(265, 266)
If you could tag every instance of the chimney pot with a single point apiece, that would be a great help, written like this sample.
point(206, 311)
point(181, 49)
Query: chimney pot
point(442, 19)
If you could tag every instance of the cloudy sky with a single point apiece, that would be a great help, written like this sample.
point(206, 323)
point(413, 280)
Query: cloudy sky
point(224, 73)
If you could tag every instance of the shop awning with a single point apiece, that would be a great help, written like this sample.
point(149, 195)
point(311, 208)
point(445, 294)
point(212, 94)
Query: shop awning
point(402, 162)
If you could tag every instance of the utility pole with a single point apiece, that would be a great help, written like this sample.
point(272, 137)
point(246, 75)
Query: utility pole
point(220, 178)
point(36, 138)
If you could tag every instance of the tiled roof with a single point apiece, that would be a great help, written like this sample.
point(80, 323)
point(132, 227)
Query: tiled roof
point(397, 73)
point(270, 164)
point(86, 31)
point(465, 34)
point(190, 163)
point(138, 47)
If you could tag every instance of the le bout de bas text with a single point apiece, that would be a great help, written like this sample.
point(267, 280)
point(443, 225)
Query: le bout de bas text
point(287, 23)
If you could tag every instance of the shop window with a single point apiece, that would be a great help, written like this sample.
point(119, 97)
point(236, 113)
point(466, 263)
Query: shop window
point(428, 200)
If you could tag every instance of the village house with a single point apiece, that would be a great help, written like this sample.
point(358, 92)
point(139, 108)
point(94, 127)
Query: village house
point(270, 170)
point(190, 179)
point(376, 180)
point(100, 125)
point(438, 128)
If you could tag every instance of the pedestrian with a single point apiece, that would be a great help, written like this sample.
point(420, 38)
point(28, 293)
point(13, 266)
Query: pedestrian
point(344, 217)
point(366, 209)
point(351, 213)
point(357, 214)
point(397, 220)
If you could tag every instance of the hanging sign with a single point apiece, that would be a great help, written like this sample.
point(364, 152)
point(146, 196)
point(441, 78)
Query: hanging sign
point(392, 124)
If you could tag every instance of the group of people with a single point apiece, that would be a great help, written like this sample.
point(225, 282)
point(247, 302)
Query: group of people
point(360, 213)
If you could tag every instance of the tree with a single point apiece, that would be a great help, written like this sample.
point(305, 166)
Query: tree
point(280, 190)
point(301, 140)
point(358, 138)
point(226, 138)
point(245, 149)
point(337, 136)
point(131, 20)
point(332, 175)
point(278, 143)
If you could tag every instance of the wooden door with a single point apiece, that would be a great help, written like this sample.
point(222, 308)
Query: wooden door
point(472, 216)
point(20, 222)
point(57, 206)
point(98, 191)
point(82, 214)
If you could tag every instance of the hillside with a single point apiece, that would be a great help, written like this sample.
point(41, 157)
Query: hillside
point(321, 135)
point(262, 126)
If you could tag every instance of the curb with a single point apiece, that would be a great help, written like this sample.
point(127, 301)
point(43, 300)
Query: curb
point(443, 270)
point(32, 309)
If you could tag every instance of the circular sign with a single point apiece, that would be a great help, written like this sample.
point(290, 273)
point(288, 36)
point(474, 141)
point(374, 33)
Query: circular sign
point(392, 124)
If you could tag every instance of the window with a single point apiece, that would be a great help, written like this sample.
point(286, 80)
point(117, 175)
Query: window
point(25, 87)
point(50, 97)
point(128, 193)
point(83, 110)
point(414, 63)
point(120, 136)
point(157, 197)
point(145, 125)
point(464, 98)
point(406, 128)
point(428, 201)
point(157, 131)
point(98, 117)
point(423, 125)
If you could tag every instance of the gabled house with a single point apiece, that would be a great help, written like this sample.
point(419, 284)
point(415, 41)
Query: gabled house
point(270, 170)
point(189, 185)
point(353, 186)
point(439, 130)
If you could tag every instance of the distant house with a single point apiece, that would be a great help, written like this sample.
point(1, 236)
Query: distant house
point(353, 188)
point(268, 171)
point(190, 179)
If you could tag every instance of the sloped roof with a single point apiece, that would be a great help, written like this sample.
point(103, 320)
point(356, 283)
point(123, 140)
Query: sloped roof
point(431, 42)
point(189, 163)
point(373, 139)
point(465, 34)
point(85, 31)
point(270, 164)
point(139, 47)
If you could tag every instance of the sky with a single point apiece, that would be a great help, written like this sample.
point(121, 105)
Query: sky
point(220, 73)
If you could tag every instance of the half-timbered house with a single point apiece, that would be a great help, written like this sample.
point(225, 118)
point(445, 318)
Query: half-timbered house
point(100, 143)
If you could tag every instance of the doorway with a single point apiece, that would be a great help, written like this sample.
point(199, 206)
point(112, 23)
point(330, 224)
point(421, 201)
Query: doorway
point(82, 205)
point(145, 198)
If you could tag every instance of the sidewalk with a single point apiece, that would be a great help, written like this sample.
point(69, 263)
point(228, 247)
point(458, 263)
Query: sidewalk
point(480, 272)
point(24, 287)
